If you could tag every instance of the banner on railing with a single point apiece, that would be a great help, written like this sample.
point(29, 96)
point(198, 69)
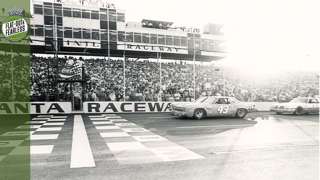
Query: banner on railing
point(35, 107)
point(126, 107)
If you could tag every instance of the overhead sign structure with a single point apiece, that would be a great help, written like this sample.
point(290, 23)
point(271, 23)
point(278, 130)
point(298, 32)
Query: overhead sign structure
point(81, 43)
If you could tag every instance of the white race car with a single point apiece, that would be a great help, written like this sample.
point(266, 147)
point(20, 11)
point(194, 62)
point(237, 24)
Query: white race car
point(212, 106)
point(298, 106)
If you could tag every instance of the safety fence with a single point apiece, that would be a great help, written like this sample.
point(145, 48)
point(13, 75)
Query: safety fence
point(99, 107)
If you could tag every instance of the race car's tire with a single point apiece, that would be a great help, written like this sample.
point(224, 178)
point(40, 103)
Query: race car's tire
point(241, 113)
point(299, 111)
point(199, 113)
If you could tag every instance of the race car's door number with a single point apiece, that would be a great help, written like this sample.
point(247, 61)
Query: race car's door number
point(223, 109)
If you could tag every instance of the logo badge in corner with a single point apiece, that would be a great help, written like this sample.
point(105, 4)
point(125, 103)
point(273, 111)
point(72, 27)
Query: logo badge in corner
point(15, 27)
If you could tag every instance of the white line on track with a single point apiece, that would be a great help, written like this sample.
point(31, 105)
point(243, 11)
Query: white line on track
point(35, 122)
point(98, 116)
point(41, 149)
point(58, 120)
point(107, 127)
point(54, 124)
point(59, 117)
point(159, 117)
point(81, 154)
point(49, 129)
point(217, 126)
point(43, 136)
point(114, 134)
point(99, 119)
point(101, 122)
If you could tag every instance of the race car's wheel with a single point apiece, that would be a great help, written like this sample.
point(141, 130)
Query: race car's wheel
point(299, 111)
point(241, 113)
point(199, 113)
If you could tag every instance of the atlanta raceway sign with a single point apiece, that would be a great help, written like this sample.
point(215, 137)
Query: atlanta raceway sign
point(35, 107)
point(126, 107)
point(88, 107)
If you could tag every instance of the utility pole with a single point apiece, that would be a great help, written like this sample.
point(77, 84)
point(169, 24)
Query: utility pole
point(124, 68)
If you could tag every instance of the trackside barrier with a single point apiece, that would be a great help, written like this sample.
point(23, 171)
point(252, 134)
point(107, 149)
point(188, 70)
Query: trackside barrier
point(145, 107)
point(99, 107)
point(35, 107)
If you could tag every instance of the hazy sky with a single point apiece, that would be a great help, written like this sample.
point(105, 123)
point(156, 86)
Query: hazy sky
point(264, 36)
point(184, 12)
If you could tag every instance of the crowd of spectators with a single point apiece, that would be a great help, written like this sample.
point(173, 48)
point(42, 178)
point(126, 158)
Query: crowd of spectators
point(14, 81)
point(104, 79)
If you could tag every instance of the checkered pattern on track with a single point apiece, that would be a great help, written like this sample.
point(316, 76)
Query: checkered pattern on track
point(132, 144)
point(51, 136)
point(41, 131)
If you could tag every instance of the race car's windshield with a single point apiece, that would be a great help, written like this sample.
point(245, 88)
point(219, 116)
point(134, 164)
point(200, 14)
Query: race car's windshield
point(299, 100)
point(201, 99)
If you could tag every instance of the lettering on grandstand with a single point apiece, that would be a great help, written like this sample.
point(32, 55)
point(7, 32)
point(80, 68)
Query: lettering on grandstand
point(191, 30)
point(149, 48)
point(81, 44)
point(35, 107)
point(90, 3)
point(126, 107)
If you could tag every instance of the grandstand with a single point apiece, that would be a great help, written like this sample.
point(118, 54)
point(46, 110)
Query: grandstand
point(101, 30)
point(129, 61)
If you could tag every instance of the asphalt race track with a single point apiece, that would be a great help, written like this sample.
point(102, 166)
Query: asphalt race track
point(262, 146)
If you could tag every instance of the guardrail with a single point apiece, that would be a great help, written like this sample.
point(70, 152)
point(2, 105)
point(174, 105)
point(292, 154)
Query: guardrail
point(99, 107)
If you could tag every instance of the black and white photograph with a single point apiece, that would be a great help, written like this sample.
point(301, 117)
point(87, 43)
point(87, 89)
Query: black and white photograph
point(159, 90)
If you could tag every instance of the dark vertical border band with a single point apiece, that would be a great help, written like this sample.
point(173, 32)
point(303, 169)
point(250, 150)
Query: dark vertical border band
point(14, 87)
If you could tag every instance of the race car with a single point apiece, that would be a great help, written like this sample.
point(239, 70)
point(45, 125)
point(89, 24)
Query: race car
point(298, 106)
point(212, 106)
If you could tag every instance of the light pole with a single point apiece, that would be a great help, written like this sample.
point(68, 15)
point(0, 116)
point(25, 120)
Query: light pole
point(160, 64)
point(12, 76)
point(108, 26)
point(224, 83)
point(194, 65)
point(159, 59)
point(55, 41)
point(124, 67)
